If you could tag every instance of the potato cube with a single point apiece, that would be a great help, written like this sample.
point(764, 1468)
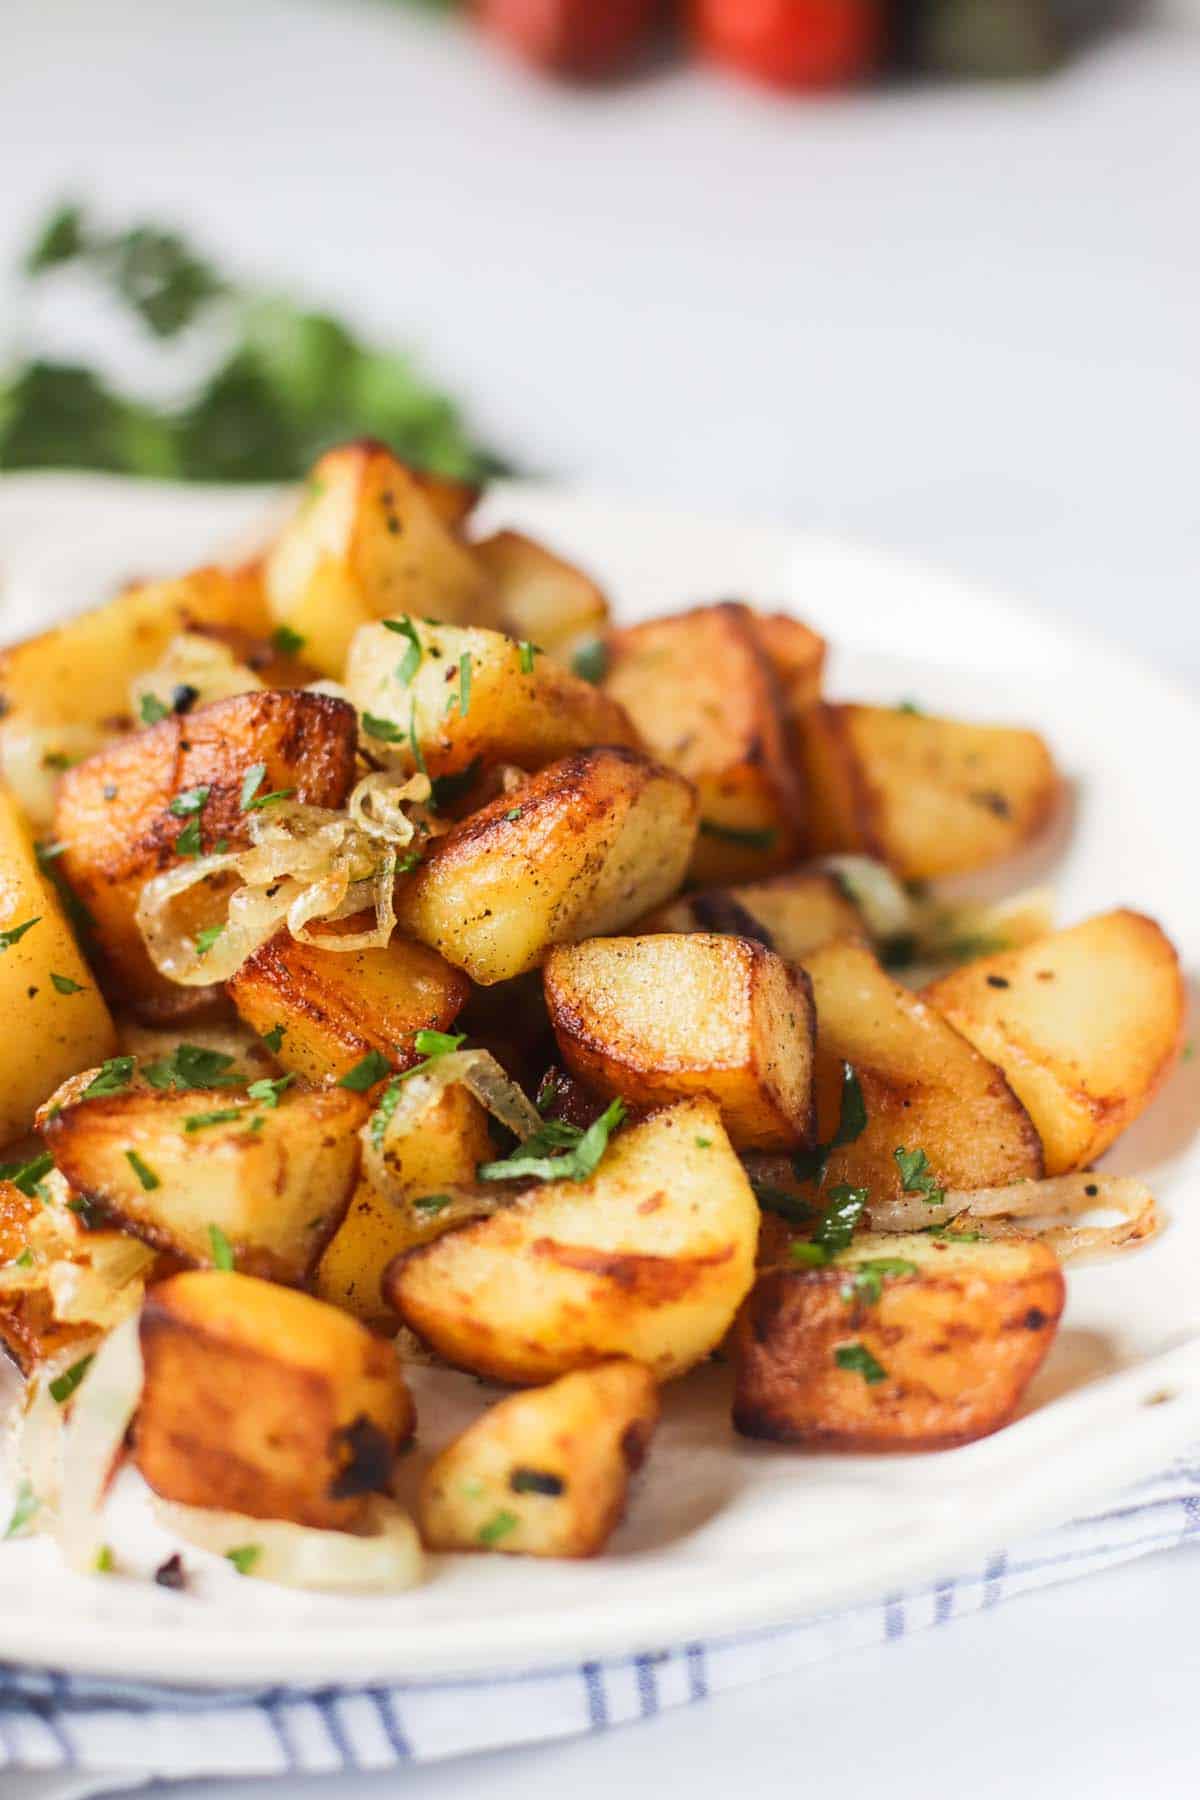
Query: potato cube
point(657, 1019)
point(797, 654)
point(542, 599)
point(791, 914)
point(546, 1472)
point(1086, 1025)
point(900, 1343)
point(261, 1400)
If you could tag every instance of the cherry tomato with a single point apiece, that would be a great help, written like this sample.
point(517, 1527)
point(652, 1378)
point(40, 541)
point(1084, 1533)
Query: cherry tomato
point(584, 39)
point(792, 43)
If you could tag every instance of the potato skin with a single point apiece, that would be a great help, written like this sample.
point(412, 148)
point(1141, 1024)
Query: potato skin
point(586, 845)
point(958, 1340)
point(114, 817)
point(1086, 1024)
point(660, 1018)
point(337, 1006)
point(545, 1472)
point(261, 1400)
point(705, 697)
point(650, 1258)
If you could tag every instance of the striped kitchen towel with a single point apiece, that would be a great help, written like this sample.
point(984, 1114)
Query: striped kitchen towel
point(52, 1721)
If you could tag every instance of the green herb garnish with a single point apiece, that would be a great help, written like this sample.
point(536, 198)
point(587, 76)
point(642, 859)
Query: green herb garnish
point(104, 1562)
point(414, 742)
point(810, 1165)
point(373, 1067)
point(192, 800)
point(835, 1227)
point(151, 709)
point(267, 1091)
point(528, 652)
point(581, 1151)
point(206, 937)
point(15, 933)
point(590, 661)
point(273, 1039)
point(866, 1279)
point(25, 1506)
point(220, 1249)
point(446, 789)
point(287, 641)
point(751, 837)
point(497, 1527)
point(916, 1177)
point(27, 1177)
point(64, 1385)
point(464, 683)
point(383, 729)
point(188, 843)
point(143, 1171)
point(859, 1360)
point(64, 985)
point(192, 1066)
point(244, 1557)
point(113, 1077)
point(225, 1115)
point(410, 662)
point(432, 1203)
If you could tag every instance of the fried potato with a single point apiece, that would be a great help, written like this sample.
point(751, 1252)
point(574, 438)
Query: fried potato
point(114, 811)
point(517, 707)
point(589, 844)
point(369, 541)
point(29, 1331)
point(65, 693)
point(542, 599)
point(546, 1472)
point(57, 1018)
point(336, 1006)
point(649, 1258)
point(1086, 1025)
point(436, 1138)
point(703, 693)
point(273, 1179)
point(798, 656)
point(927, 796)
point(791, 914)
point(657, 1019)
point(264, 1401)
point(901, 1343)
point(923, 1085)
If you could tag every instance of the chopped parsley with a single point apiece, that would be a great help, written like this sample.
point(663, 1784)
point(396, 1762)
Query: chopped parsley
point(143, 1171)
point(191, 1066)
point(858, 1359)
point(27, 1177)
point(287, 641)
point(835, 1228)
point(244, 1557)
point(25, 1260)
point(267, 1090)
point(590, 661)
point(446, 789)
point(64, 985)
point(189, 843)
point(703, 1143)
point(779, 1200)
point(911, 707)
point(514, 812)
point(15, 933)
point(104, 1562)
point(220, 1248)
point(430, 1204)
point(152, 709)
point(464, 683)
point(414, 742)
point(916, 1177)
point(383, 729)
point(206, 937)
point(410, 662)
point(528, 652)
point(273, 1039)
point(497, 1527)
point(436, 1043)
point(810, 1165)
point(64, 1385)
point(580, 1151)
point(430, 1045)
point(866, 1279)
point(373, 1067)
point(226, 1115)
point(192, 800)
point(113, 1077)
point(25, 1506)
point(753, 838)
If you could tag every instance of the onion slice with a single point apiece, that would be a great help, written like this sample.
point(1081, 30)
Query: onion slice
point(1051, 1210)
point(93, 1439)
point(386, 1558)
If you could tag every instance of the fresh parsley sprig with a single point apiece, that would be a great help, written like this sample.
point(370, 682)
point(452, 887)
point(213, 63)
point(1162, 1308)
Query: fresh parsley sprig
point(811, 1165)
point(581, 1151)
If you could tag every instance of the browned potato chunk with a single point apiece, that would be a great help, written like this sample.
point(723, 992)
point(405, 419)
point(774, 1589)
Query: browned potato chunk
point(585, 846)
point(546, 1472)
point(271, 1176)
point(476, 697)
point(114, 810)
point(542, 599)
point(649, 1258)
point(657, 1019)
point(927, 796)
point(1086, 1024)
point(336, 1006)
point(798, 656)
point(436, 1139)
point(923, 1085)
point(704, 695)
point(369, 541)
point(791, 914)
point(901, 1343)
point(264, 1401)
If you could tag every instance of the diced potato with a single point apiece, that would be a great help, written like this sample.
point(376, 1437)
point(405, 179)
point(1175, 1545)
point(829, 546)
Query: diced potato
point(435, 1140)
point(924, 1086)
point(657, 1019)
point(589, 844)
point(521, 708)
point(703, 693)
point(368, 541)
point(927, 796)
point(1086, 1024)
point(453, 501)
point(29, 1331)
point(542, 599)
point(791, 914)
point(649, 1258)
point(57, 1018)
point(798, 656)
point(546, 1472)
point(336, 1006)
point(901, 1343)
point(114, 814)
point(275, 1179)
point(261, 1400)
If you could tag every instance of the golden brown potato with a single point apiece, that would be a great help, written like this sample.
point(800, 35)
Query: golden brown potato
point(546, 1472)
point(369, 541)
point(436, 1138)
point(649, 1258)
point(927, 796)
point(542, 599)
point(29, 1331)
point(791, 914)
point(901, 1343)
point(66, 692)
point(272, 1177)
point(336, 1006)
point(114, 811)
point(798, 656)
point(57, 1019)
point(264, 1401)
point(657, 1019)
point(518, 707)
point(453, 501)
point(1086, 1024)
point(923, 1085)
point(587, 845)
point(704, 696)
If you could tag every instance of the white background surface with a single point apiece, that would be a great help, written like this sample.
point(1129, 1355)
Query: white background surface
point(960, 323)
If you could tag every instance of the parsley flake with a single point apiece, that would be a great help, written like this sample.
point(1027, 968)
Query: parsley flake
point(27, 1177)
point(581, 1151)
point(64, 985)
point(192, 800)
point(916, 1177)
point(64, 1385)
point(528, 652)
point(410, 662)
point(267, 1091)
point(222, 1250)
point(244, 1557)
point(383, 729)
point(430, 1204)
point(753, 838)
point(590, 662)
point(206, 937)
point(226, 1115)
point(866, 1279)
point(113, 1077)
point(287, 641)
point(192, 1066)
point(810, 1165)
point(373, 1067)
point(188, 843)
point(273, 1039)
point(25, 1505)
point(498, 1526)
point(15, 933)
point(464, 683)
point(143, 1171)
point(835, 1228)
point(858, 1359)
point(152, 709)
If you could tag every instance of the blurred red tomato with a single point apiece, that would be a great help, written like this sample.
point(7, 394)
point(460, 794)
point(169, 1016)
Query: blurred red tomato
point(586, 39)
point(792, 43)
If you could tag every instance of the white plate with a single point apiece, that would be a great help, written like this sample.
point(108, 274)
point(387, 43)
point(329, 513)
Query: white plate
point(723, 1535)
